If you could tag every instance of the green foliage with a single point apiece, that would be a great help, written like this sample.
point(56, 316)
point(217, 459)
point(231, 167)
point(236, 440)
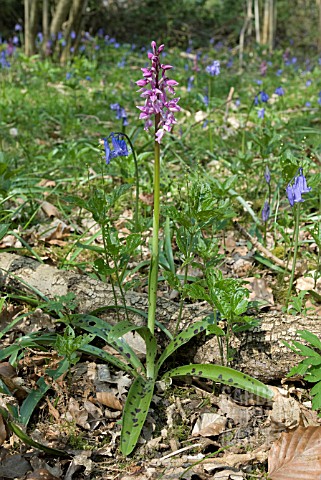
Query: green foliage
point(310, 367)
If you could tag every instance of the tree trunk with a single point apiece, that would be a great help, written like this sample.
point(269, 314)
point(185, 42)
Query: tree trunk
point(27, 26)
point(75, 20)
point(271, 25)
point(266, 22)
point(45, 25)
point(259, 352)
point(31, 26)
point(257, 21)
point(59, 17)
point(250, 17)
point(319, 36)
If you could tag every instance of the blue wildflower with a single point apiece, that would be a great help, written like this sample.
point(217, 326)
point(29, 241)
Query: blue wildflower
point(279, 91)
point(308, 104)
point(279, 72)
point(214, 69)
point(120, 148)
point(267, 175)
point(264, 96)
point(297, 189)
point(261, 113)
point(266, 212)
point(308, 83)
point(120, 113)
point(190, 82)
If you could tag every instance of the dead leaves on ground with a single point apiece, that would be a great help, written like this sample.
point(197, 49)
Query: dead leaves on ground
point(296, 455)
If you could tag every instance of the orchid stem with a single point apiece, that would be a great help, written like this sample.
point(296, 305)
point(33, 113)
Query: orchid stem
point(153, 273)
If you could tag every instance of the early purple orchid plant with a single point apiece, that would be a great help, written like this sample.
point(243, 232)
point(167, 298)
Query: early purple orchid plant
point(158, 110)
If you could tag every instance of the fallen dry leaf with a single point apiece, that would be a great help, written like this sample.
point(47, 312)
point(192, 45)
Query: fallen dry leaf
point(49, 209)
point(296, 455)
point(286, 412)
point(209, 424)
point(41, 474)
point(109, 400)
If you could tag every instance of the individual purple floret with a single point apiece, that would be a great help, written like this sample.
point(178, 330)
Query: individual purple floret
point(155, 87)
point(120, 148)
point(214, 69)
point(266, 212)
point(299, 187)
point(279, 91)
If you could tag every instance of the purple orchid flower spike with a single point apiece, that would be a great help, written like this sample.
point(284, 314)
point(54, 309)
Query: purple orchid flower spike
point(155, 87)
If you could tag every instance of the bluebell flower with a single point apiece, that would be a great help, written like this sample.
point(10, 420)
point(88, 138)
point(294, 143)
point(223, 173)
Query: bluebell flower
point(214, 69)
point(120, 148)
point(256, 100)
point(294, 60)
point(206, 100)
point(68, 76)
point(261, 113)
point(120, 113)
point(264, 96)
point(279, 91)
point(297, 189)
point(266, 211)
point(308, 83)
point(190, 82)
point(205, 123)
point(237, 102)
point(4, 62)
point(308, 104)
point(107, 151)
point(15, 40)
point(279, 72)
point(73, 35)
point(267, 175)
point(39, 37)
point(18, 27)
point(258, 82)
point(319, 100)
point(122, 63)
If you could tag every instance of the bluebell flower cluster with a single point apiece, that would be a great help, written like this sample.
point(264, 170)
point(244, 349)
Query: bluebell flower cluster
point(279, 91)
point(120, 113)
point(214, 69)
point(119, 149)
point(261, 97)
point(296, 189)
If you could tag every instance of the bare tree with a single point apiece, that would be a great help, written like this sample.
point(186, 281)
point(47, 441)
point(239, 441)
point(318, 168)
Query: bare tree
point(45, 23)
point(257, 21)
point(59, 17)
point(74, 24)
point(265, 30)
point(31, 25)
point(319, 36)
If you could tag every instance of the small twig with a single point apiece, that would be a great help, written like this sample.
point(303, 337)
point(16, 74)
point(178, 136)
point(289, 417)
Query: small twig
point(177, 452)
point(260, 247)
